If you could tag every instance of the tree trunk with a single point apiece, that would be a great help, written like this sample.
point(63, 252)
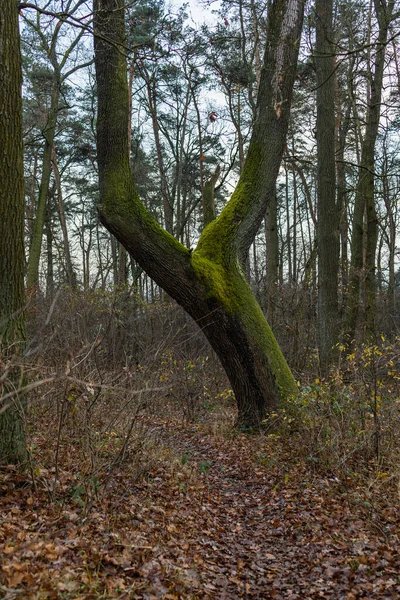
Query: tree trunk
point(49, 245)
point(208, 197)
point(208, 282)
point(272, 256)
point(38, 227)
point(12, 207)
point(391, 229)
point(327, 213)
point(167, 201)
point(69, 269)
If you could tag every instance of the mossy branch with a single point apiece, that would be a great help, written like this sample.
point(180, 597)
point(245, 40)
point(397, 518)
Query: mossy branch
point(232, 233)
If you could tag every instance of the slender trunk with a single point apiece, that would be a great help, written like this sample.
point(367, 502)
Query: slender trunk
point(114, 259)
point(100, 259)
point(48, 134)
point(200, 137)
point(341, 192)
point(208, 198)
point(69, 270)
point(288, 235)
point(167, 204)
point(180, 153)
point(122, 274)
point(294, 236)
point(30, 206)
point(87, 260)
point(391, 238)
point(272, 258)
point(328, 216)
point(49, 244)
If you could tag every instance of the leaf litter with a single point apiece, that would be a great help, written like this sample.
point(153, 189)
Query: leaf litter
point(229, 517)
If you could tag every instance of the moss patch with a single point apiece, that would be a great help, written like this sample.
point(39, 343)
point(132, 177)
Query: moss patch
point(232, 292)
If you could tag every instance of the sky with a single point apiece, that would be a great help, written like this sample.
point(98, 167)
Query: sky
point(199, 12)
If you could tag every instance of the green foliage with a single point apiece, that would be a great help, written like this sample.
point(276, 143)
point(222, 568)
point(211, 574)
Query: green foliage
point(205, 466)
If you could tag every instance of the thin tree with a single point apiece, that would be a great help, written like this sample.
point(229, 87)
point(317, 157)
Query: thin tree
point(59, 77)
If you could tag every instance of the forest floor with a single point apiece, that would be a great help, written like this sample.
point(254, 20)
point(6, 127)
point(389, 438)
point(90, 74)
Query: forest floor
point(217, 516)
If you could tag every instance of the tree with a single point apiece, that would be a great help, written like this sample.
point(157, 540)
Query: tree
point(328, 216)
point(208, 281)
point(58, 77)
point(364, 239)
point(12, 300)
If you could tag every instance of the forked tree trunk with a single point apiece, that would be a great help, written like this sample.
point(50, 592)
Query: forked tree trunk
point(208, 282)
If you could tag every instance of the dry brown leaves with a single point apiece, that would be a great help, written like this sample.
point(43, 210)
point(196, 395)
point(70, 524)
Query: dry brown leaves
point(233, 518)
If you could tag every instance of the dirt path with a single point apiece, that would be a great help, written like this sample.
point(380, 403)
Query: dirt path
point(230, 519)
point(266, 530)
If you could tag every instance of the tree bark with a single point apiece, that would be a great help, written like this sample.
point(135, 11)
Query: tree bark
point(327, 213)
point(12, 207)
point(208, 282)
point(49, 244)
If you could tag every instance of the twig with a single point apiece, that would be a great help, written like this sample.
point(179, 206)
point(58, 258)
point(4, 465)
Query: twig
point(3, 588)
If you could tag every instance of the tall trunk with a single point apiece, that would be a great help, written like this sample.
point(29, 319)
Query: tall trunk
point(167, 204)
point(48, 134)
point(209, 281)
point(200, 138)
point(101, 273)
point(391, 234)
point(122, 276)
point(12, 207)
point(272, 258)
point(30, 205)
point(343, 125)
point(69, 269)
point(181, 127)
point(288, 236)
point(294, 236)
point(49, 245)
point(327, 213)
point(114, 259)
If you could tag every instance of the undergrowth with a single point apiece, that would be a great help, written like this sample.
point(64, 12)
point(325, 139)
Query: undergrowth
point(102, 367)
point(347, 426)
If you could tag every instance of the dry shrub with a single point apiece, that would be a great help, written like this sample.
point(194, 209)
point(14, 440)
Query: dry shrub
point(100, 367)
point(348, 426)
point(292, 316)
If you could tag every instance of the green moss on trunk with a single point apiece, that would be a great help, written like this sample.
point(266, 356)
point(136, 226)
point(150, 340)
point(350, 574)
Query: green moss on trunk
point(208, 282)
